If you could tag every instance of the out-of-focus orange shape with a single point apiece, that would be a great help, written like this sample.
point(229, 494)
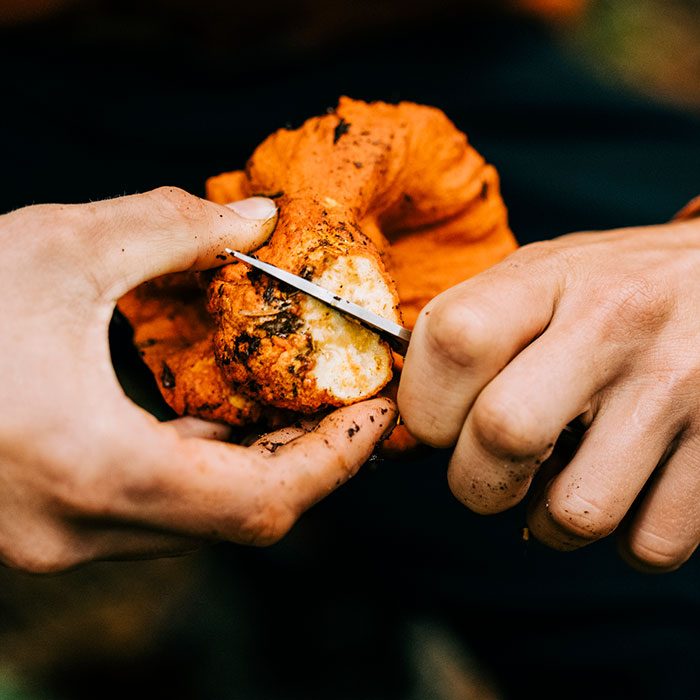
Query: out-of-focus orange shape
point(554, 9)
point(690, 211)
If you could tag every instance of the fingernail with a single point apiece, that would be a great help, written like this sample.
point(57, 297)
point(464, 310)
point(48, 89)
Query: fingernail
point(257, 208)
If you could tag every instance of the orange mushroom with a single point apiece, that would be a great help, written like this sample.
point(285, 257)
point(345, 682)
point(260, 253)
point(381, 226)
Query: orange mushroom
point(386, 205)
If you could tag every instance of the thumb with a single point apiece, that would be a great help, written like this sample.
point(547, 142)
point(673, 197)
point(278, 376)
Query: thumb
point(139, 237)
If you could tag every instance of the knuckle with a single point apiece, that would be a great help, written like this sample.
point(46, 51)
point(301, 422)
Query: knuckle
point(656, 551)
point(502, 429)
point(537, 251)
point(547, 255)
point(457, 333)
point(266, 524)
point(175, 202)
point(637, 304)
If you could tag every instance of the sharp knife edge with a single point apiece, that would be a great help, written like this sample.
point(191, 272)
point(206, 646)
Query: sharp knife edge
point(397, 336)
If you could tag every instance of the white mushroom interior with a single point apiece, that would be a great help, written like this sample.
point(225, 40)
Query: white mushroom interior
point(350, 361)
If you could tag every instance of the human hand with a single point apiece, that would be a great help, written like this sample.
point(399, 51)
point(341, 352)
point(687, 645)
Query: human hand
point(600, 326)
point(85, 473)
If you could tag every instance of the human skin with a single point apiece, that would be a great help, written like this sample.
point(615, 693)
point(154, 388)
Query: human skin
point(603, 327)
point(84, 473)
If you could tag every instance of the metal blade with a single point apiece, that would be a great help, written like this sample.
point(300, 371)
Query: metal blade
point(397, 336)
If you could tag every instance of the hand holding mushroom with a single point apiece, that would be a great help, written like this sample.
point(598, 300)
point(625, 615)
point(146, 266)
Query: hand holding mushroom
point(603, 327)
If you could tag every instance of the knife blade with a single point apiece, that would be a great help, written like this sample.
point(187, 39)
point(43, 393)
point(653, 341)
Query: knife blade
point(396, 335)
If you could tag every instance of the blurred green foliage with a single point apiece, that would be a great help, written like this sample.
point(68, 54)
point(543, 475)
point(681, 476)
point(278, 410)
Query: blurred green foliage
point(650, 45)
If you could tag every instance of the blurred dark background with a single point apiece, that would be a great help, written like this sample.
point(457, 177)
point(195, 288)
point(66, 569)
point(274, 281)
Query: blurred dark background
point(389, 589)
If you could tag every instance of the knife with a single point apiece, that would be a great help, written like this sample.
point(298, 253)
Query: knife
point(397, 336)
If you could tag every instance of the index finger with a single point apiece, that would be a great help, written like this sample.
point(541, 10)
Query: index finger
point(203, 488)
point(466, 336)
